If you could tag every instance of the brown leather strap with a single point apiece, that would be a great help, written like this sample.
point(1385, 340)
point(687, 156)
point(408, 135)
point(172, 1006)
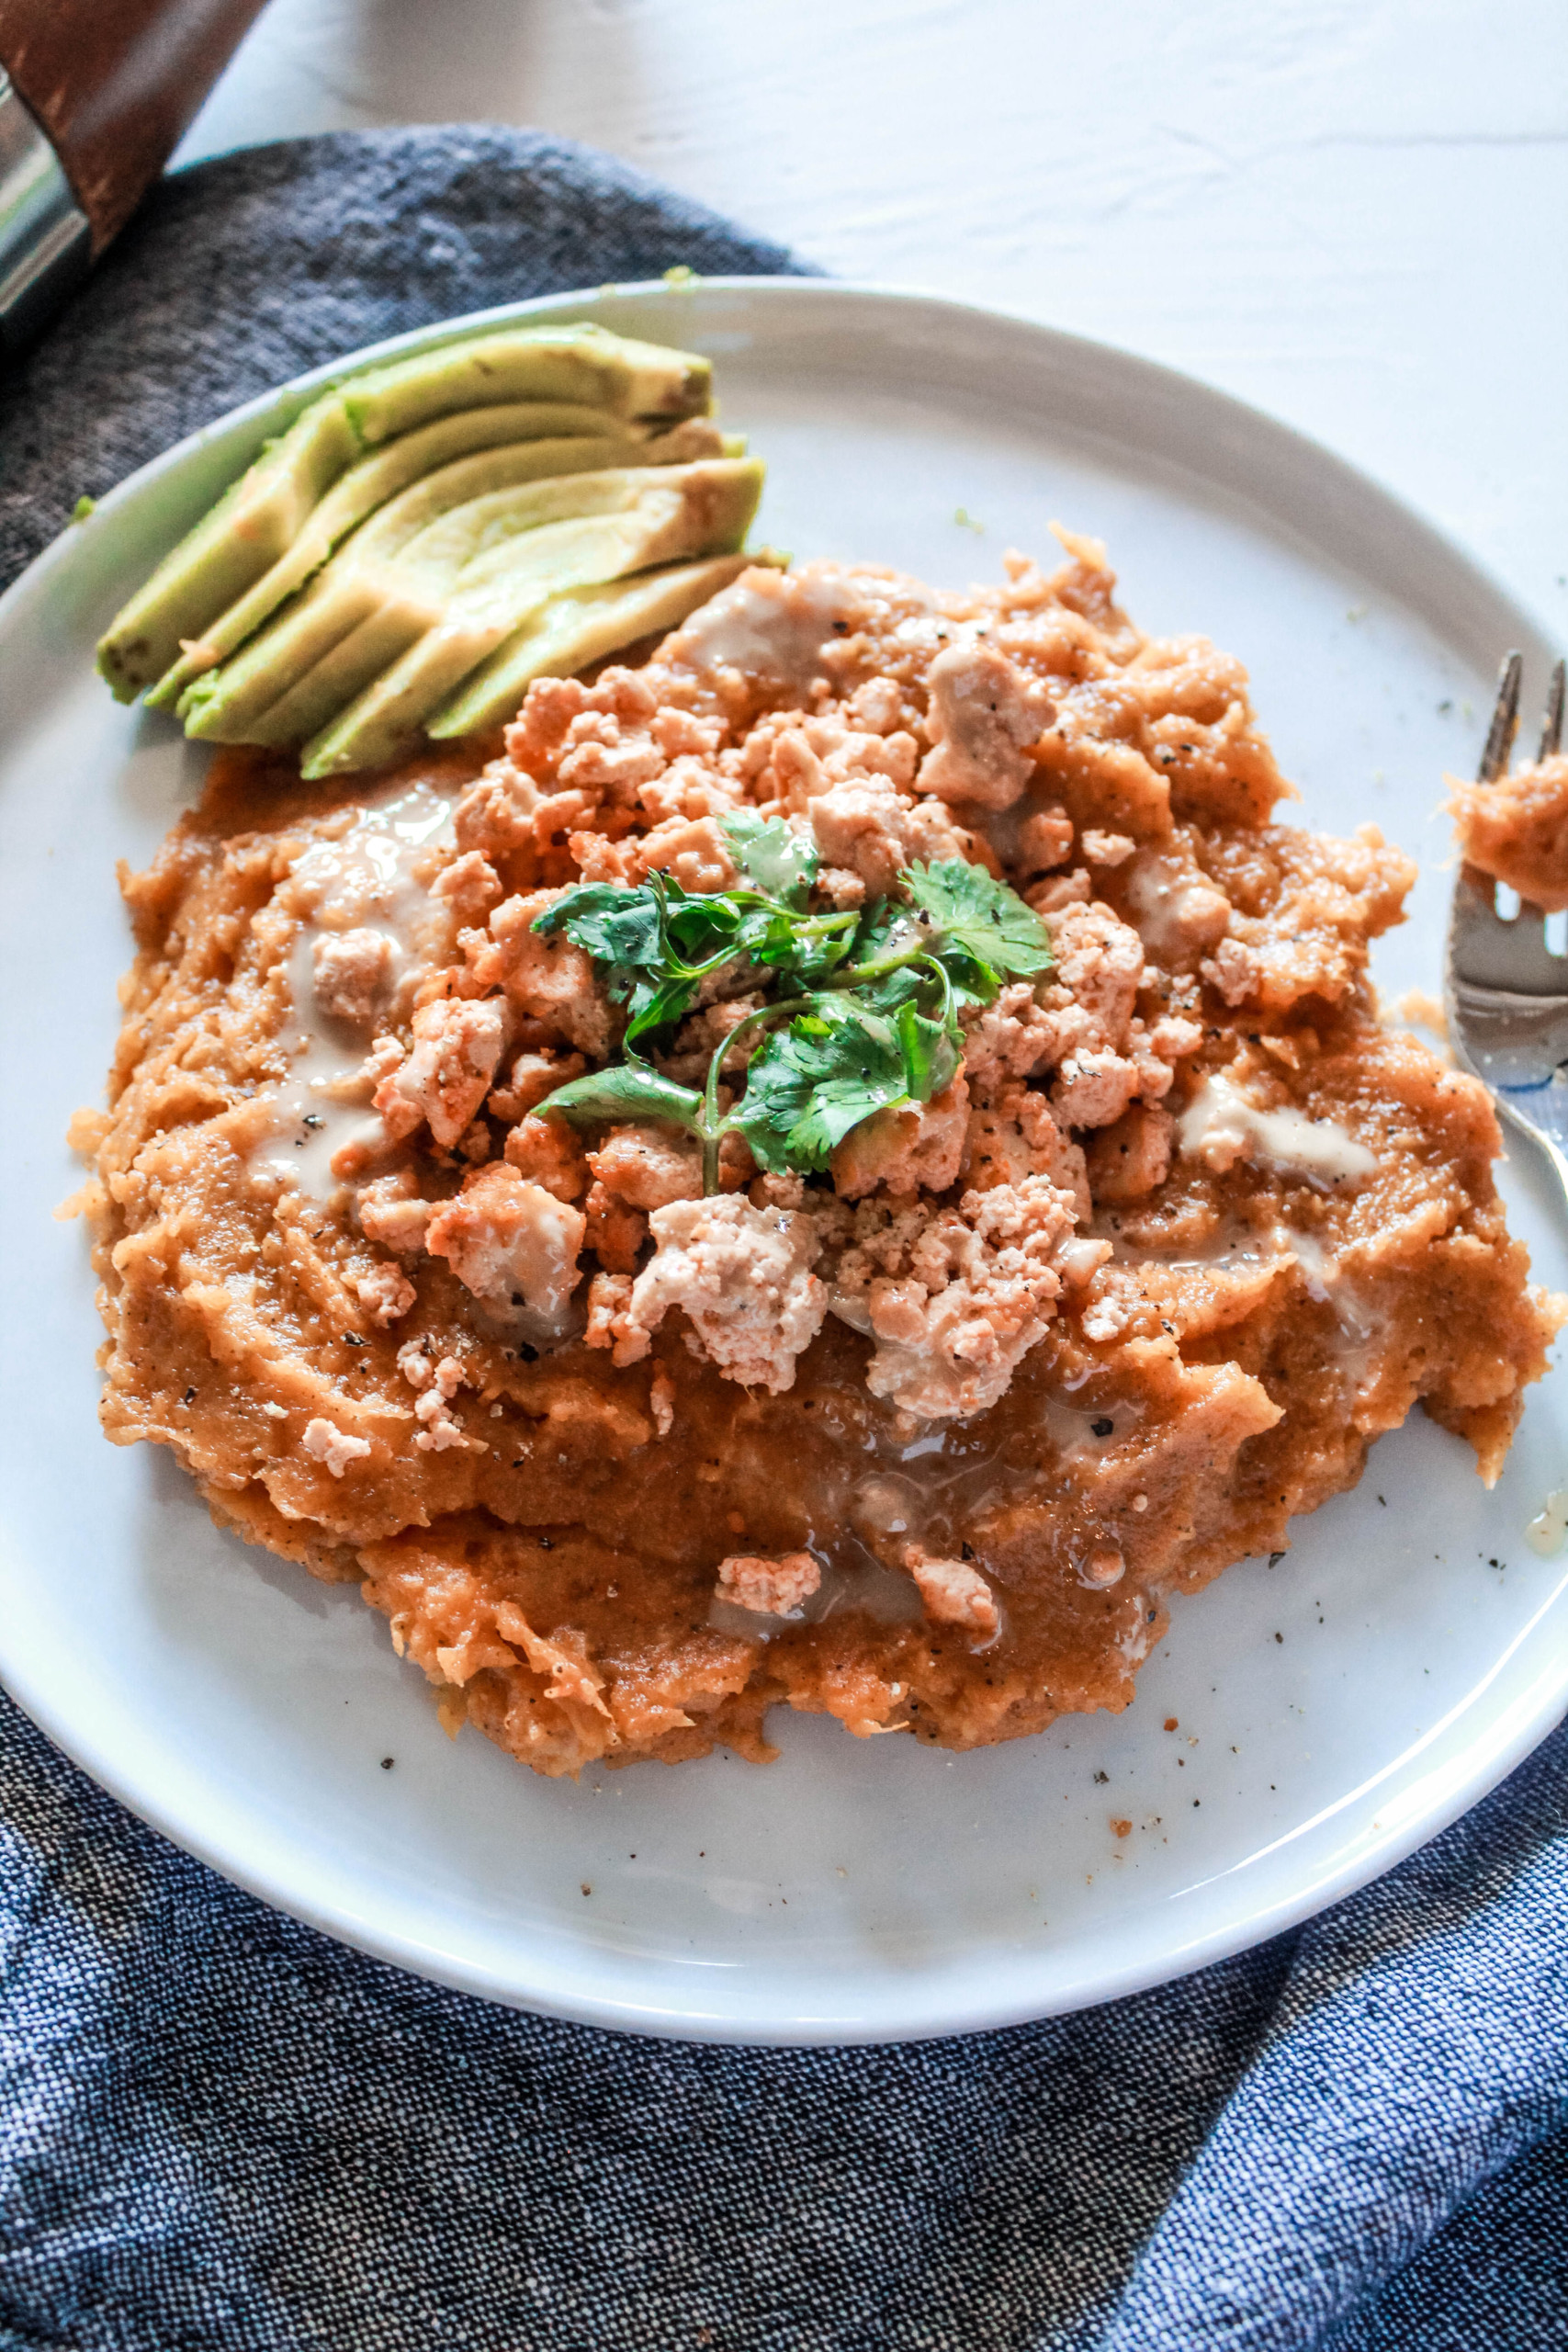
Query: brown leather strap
point(114, 83)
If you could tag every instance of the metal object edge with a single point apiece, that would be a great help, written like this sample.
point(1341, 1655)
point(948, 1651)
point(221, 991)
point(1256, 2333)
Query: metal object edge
point(45, 237)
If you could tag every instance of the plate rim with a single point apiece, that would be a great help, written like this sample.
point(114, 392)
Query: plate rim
point(543, 1984)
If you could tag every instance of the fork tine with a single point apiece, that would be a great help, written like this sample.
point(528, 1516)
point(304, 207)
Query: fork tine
point(1504, 721)
point(1552, 723)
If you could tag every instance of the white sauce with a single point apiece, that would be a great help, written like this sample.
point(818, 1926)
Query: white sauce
point(1222, 1124)
point(1138, 1639)
point(1361, 1327)
point(1233, 1245)
point(1318, 1270)
point(1548, 1531)
point(1174, 908)
point(363, 880)
point(767, 625)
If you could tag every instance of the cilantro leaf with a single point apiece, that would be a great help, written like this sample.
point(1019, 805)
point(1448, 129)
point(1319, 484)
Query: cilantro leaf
point(657, 940)
point(981, 917)
point(610, 922)
point(809, 1084)
point(878, 1028)
point(930, 1050)
point(805, 956)
point(658, 1004)
point(831, 1069)
point(778, 860)
point(702, 925)
point(773, 935)
point(625, 1091)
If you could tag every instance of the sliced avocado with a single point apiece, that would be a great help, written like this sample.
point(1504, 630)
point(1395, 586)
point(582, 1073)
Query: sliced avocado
point(223, 705)
point(250, 527)
point(369, 484)
point(258, 518)
point(680, 511)
point(647, 517)
point(543, 362)
point(399, 622)
point(578, 626)
point(228, 706)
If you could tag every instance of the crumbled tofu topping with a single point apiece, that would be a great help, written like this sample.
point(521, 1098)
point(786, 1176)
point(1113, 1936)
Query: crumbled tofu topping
point(446, 1075)
point(741, 1276)
point(772, 1588)
point(332, 1447)
point(351, 969)
point(954, 1592)
point(512, 1243)
point(887, 729)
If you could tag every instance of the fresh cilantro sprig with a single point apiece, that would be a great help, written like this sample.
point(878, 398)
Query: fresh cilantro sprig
point(834, 1066)
point(659, 943)
point(864, 1011)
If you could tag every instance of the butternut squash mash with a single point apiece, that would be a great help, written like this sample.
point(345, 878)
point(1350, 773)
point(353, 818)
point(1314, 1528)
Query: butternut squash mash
point(924, 1441)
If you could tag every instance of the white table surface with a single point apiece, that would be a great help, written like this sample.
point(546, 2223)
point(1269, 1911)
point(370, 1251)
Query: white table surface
point(1352, 212)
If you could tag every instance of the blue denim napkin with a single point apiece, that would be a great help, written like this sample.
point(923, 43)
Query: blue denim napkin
point(220, 2132)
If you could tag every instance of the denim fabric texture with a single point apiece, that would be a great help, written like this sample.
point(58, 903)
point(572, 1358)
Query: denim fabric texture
point(220, 2132)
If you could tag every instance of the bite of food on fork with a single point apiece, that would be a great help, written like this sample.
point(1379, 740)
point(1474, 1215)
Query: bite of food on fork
point(1513, 824)
point(1507, 991)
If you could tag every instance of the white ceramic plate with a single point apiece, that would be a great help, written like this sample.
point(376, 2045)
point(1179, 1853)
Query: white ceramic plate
point(1335, 1711)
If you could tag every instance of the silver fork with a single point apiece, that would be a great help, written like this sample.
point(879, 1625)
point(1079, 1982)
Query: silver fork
point(1507, 993)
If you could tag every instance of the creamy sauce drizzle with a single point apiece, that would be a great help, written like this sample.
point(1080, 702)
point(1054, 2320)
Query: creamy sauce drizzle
point(767, 625)
point(1361, 1327)
point(1548, 1531)
point(362, 880)
point(1230, 1244)
point(1222, 1124)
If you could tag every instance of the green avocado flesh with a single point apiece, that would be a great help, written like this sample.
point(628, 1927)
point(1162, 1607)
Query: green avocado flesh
point(375, 479)
point(356, 446)
point(255, 522)
point(569, 363)
point(474, 531)
point(402, 509)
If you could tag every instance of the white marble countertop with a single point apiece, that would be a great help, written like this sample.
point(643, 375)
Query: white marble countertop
point(1352, 212)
